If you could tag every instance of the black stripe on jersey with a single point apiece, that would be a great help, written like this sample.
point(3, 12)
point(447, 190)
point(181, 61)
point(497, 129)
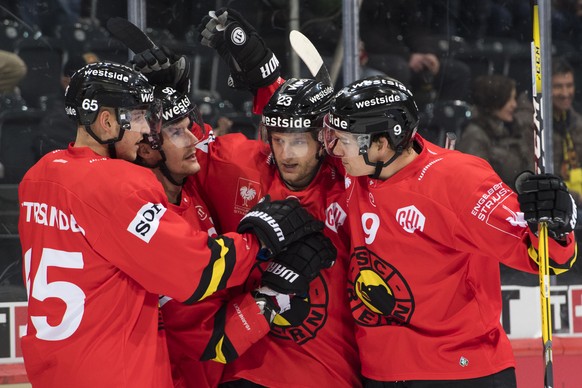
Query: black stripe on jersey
point(218, 270)
point(219, 347)
point(555, 268)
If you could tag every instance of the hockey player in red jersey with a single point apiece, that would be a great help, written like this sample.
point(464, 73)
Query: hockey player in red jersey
point(312, 344)
point(316, 334)
point(220, 327)
point(429, 227)
point(99, 244)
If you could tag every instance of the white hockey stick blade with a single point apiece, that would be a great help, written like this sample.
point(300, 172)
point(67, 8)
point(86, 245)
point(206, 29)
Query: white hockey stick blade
point(310, 56)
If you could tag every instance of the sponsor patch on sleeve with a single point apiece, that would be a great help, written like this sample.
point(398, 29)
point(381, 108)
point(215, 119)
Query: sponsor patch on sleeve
point(493, 209)
point(146, 221)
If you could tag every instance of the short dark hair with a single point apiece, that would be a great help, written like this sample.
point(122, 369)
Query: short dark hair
point(561, 66)
point(491, 92)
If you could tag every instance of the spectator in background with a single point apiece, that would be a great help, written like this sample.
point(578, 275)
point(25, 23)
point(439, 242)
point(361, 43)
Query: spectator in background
point(56, 128)
point(567, 128)
point(567, 144)
point(398, 41)
point(493, 133)
point(12, 71)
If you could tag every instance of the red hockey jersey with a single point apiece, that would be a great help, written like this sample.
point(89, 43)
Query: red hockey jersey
point(318, 348)
point(203, 336)
point(99, 246)
point(424, 279)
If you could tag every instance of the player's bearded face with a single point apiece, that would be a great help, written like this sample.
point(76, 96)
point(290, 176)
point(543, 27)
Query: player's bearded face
point(179, 148)
point(295, 154)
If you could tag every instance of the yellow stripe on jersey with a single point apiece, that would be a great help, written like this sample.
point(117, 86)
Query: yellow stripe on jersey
point(218, 268)
point(220, 357)
point(555, 268)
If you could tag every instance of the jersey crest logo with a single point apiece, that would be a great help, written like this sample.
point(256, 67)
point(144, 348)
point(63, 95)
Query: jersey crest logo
point(410, 218)
point(335, 216)
point(248, 194)
point(147, 220)
point(379, 295)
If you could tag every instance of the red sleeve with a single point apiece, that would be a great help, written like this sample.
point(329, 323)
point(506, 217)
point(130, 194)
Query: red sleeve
point(264, 94)
point(214, 329)
point(169, 257)
point(493, 216)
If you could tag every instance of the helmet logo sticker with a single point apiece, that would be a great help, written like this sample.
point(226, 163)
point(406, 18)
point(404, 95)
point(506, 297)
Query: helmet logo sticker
point(89, 104)
point(338, 122)
point(238, 36)
point(397, 130)
point(70, 111)
point(324, 93)
point(108, 74)
point(287, 122)
point(378, 101)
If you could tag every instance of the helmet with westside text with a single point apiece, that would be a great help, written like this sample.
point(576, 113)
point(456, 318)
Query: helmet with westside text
point(299, 105)
point(105, 84)
point(175, 107)
point(375, 105)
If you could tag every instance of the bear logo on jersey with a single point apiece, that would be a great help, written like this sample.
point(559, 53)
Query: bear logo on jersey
point(378, 293)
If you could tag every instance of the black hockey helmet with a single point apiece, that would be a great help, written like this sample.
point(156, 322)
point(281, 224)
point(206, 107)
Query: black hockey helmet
point(175, 107)
point(370, 106)
point(299, 105)
point(112, 85)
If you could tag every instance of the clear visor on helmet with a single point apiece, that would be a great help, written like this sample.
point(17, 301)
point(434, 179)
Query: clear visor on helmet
point(185, 131)
point(343, 144)
point(289, 143)
point(145, 119)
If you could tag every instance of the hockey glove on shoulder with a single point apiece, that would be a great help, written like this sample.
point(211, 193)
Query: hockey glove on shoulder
point(162, 67)
point(291, 271)
point(252, 64)
point(278, 223)
point(544, 197)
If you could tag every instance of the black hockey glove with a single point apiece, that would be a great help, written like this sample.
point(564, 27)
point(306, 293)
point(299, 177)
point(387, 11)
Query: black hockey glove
point(544, 197)
point(291, 271)
point(252, 64)
point(162, 67)
point(278, 223)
